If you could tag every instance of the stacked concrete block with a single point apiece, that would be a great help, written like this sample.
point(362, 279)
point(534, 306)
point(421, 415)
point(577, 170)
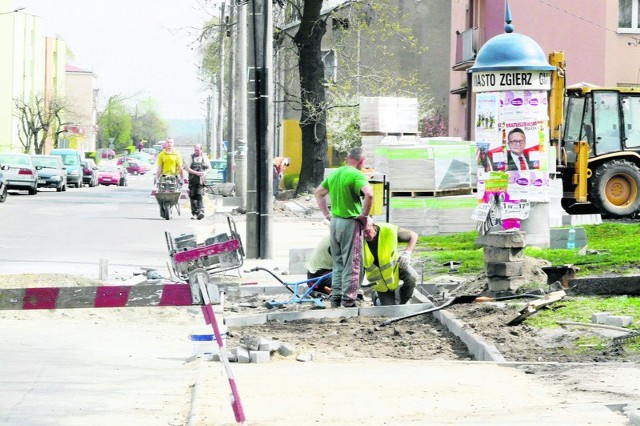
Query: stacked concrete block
point(503, 257)
point(255, 349)
point(614, 320)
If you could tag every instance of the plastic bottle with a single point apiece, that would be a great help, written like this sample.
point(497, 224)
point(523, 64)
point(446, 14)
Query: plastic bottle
point(571, 239)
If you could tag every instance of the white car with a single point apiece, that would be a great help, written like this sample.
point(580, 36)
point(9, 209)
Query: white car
point(3, 185)
point(21, 173)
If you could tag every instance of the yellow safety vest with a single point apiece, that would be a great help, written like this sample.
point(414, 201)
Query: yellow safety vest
point(386, 276)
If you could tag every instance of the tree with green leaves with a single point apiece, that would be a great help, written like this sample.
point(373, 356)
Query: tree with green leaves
point(366, 40)
point(146, 124)
point(114, 122)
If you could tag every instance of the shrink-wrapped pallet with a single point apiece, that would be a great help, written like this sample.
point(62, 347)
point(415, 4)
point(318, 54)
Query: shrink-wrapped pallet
point(388, 115)
point(438, 166)
point(434, 215)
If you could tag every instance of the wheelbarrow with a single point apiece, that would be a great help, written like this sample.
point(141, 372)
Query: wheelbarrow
point(168, 195)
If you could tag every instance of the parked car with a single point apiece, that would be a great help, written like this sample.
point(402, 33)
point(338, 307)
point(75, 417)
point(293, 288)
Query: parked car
point(71, 160)
point(89, 173)
point(134, 167)
point(3, 185)
point(21, 173)
point(109, 175)
point(51, 172)
point(141, 155)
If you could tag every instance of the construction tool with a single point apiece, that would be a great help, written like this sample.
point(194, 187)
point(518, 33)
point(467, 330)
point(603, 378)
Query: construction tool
point(449, 302)
point(312, 283)
point(628, 338)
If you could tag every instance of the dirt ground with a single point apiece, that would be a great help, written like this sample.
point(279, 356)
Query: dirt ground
point(359, 344)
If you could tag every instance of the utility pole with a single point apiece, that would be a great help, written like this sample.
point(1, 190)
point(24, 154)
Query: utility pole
point(215, 111)
point(208, 125)
point(220, 116)
point(259, 186)
point(240, 85)
point(231, 112)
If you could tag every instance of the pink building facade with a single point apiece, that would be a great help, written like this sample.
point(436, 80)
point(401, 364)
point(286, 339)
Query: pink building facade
point(601, 41)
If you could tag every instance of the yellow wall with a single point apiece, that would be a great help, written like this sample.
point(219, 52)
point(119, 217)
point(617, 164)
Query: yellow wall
point(292, 141)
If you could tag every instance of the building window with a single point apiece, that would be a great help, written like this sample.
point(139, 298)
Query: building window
point(628, 21)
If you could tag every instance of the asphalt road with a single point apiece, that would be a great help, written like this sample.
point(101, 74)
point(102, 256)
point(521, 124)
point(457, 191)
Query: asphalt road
point(74, 230)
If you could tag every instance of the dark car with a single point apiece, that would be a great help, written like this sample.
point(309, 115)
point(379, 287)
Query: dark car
point(89, 173)
point(51, 172)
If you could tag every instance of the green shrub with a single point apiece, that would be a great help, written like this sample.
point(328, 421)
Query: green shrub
point(290, 181)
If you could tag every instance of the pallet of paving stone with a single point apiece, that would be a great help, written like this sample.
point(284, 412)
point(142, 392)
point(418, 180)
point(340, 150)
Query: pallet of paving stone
point(421, 193)
point(433, 215)
point(370, 141)
point(425, 167)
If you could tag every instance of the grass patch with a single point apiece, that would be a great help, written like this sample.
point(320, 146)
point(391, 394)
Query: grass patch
point(612, 250)
point(435, 250)
point(580, 310)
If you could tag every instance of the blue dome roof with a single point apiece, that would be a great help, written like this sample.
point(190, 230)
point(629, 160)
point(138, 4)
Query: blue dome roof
point(511, 51)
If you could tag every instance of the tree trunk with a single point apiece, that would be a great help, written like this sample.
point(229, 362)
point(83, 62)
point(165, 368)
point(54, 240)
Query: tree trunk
point(313, 117)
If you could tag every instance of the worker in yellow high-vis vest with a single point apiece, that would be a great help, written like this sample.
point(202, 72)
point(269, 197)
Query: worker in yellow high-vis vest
point(384, 267)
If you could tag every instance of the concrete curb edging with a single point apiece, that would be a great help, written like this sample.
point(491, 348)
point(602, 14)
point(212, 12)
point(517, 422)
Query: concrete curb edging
point(481, 350)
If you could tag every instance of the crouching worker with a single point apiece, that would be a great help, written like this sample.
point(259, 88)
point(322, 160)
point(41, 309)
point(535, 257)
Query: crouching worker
point(383, 267)
point(320, 263)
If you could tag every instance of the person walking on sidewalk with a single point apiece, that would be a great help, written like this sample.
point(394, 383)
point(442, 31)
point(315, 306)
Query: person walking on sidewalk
point(348, 217)
point(197, 166)
point(384, 268)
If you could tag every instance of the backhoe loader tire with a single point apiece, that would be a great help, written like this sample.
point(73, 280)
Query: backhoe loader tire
point(615, 187)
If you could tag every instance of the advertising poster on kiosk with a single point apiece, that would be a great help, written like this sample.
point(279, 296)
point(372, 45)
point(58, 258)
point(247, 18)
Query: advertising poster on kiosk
point(512, 139)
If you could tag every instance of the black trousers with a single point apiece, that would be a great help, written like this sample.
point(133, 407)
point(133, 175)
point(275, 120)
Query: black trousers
point(195, 197)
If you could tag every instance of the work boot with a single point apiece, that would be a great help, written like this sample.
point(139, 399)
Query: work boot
point(348, 303)
point(200, 215)
point(335, 302)
point(375, 299)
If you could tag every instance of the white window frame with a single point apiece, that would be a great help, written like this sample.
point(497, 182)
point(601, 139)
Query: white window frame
point(635, 11)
